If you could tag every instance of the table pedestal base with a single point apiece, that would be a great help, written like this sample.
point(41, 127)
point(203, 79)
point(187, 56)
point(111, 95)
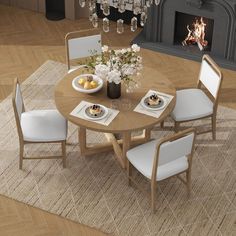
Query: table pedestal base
point(120, 146)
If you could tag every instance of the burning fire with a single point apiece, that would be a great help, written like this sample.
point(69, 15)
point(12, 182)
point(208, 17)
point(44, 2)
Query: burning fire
point(196, 35)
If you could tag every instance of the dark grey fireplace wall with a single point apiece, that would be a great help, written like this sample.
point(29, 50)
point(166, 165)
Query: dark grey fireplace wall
point(160, 27)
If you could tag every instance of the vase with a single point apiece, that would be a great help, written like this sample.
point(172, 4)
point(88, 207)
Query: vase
point(113, 90)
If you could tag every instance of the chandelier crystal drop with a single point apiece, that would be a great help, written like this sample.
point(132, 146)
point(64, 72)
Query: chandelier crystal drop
point(82, 3)
point(106, 9)
point(120, 26)
point(106, 25)
point(121, 6)
point(134, 24)
point(95, 20)
point(138, 8)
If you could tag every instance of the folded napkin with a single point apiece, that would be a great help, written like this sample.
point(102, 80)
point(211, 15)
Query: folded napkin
point(80, 109)
point(140, 109)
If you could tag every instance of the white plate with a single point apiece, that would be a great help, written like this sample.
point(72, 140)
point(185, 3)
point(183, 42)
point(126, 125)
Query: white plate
point(97, 118)
point(81, 89)
point(154, 108)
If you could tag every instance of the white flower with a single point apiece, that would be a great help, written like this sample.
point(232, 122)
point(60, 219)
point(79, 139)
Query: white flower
point(131, 71)
point(105, 48)
point(117, 52)
point(139, 59)
point(108, 64)
point(99, 59)
point(128, 69)
point(118, 64)
point(101, 71)
point(114, 76)
point(123, 51)
point(133, 59)
point(135, 48)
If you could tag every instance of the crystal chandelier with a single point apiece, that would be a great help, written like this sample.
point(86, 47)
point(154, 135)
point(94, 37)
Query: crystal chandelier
point(138, 7)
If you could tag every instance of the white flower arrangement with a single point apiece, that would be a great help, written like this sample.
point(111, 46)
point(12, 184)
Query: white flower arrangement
point(117, 65)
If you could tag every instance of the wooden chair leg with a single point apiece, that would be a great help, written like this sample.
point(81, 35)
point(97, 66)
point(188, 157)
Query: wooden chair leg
point(189, 182)
point(153, 196)
point(82, 140)
point(126, 145)
point(177, 125)
point(162, 124)
point(213, 122)
point(21, 156)
point(147, 135)
point(63, 147)
point(129, 172)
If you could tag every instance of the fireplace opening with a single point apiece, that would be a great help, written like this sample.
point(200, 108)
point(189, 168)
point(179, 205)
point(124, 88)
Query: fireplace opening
point(55, 9)
point(193, 32)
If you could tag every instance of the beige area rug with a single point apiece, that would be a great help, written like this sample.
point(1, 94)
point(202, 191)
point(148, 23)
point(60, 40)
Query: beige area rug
point(94, 190)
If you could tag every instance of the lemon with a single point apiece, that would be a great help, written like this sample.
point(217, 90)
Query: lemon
point(94, 84)
point(87, 85)
point(81, 81)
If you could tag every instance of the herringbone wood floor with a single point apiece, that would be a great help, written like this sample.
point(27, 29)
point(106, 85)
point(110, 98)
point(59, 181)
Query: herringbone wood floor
point(27, 40)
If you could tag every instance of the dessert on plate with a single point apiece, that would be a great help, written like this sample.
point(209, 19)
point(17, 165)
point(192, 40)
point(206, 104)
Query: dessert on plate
point(95, 110)
point(153, 100)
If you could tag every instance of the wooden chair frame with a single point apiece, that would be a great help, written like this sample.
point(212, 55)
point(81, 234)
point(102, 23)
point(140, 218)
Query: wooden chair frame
point(215, 100)
point(153, 180)
point(77, 34)
point(22, 142)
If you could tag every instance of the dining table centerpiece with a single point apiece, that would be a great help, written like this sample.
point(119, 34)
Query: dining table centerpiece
point(116, 67)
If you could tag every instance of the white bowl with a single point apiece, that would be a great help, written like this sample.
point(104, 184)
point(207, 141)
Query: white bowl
point(81, 89)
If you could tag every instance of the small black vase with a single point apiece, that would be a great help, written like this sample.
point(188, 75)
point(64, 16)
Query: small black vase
point(113, 90)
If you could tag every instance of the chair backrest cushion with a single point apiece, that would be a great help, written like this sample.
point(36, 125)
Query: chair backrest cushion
point(170, 151)
point(18, 101)
point(209, 78)
point(84, 46)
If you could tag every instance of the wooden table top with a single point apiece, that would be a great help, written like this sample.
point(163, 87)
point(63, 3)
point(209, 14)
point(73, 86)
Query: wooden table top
point(66, 99)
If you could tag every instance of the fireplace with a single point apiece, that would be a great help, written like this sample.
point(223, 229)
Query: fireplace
point(170, 23)
point(193, 32)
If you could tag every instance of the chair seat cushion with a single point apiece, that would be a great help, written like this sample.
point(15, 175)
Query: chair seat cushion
point(142, 157)
point(43, 126)
point(191, 104)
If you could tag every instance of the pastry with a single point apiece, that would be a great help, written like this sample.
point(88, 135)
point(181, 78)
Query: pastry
point(153, 100)
point(89, 78)
point(95, 110)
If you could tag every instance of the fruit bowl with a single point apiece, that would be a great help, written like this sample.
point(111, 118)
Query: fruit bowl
point(87, 83)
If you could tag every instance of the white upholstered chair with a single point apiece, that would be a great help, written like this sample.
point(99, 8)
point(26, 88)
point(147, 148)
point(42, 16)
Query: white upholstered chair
point(161, 159)
point(194, 104)
point(38, 126)
point(82, 44)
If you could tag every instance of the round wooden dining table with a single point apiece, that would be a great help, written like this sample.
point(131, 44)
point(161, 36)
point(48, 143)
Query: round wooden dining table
point(127, 120)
